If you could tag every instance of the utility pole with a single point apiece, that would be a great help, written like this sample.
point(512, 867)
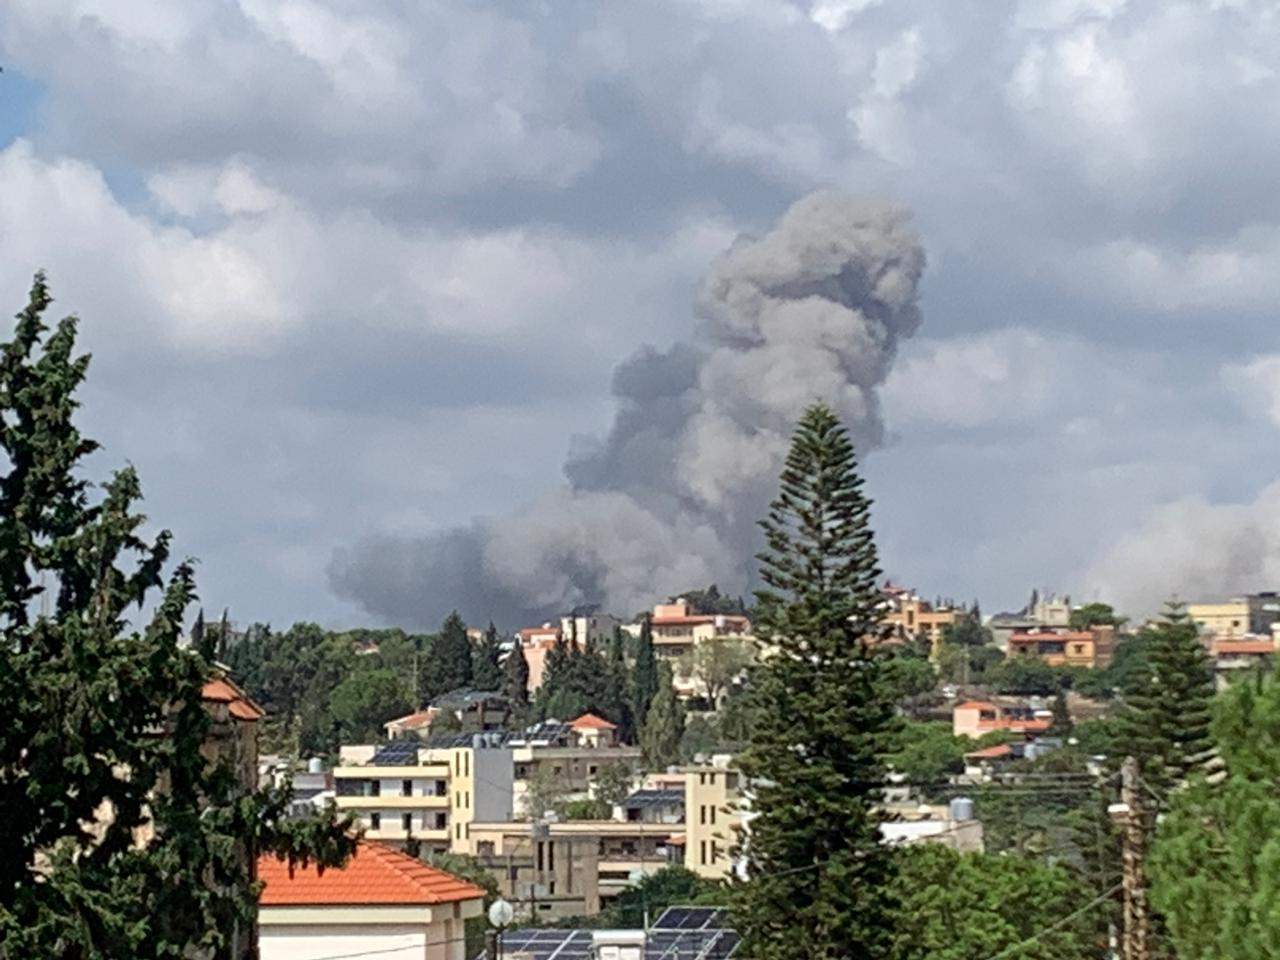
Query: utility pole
point(1136, 942)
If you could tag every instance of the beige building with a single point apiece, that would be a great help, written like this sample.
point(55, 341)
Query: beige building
point(571, 868)
point(676, 629)
point(1063, 647)
point(911, 617)
point(569, 755)
point(382, 902)
point(402, 790)
point(713, 818)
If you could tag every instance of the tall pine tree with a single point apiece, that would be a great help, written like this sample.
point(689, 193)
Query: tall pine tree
point(663, 723)
point(1168, 707)
point(515, 679)
point(818, 883)
point(104, 723)
point(644, 674)
point(448, 659)
point(486, 666)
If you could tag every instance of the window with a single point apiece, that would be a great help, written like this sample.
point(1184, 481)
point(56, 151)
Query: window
point(442, 788)
point(551, 856)
point(442, 821)
point(541, 855)
point(713, 815)
point(458, 830)
point(466, 764)
point(715, 851)
point(375, 821)
point(406, 788)
point(592, 769)
point(702, 813)
point(406, 822)
point(375, 788)
point(484, 848)
point(703, 853)
point(468, 803)
point(711, 778)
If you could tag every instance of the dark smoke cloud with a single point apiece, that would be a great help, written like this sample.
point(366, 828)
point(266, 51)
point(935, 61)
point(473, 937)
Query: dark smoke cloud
point(814, 309)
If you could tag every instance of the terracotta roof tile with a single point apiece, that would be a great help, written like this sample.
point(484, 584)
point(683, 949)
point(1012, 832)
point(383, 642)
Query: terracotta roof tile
point(990, 753)
point(222, 690)
point(1244, 646)
point(589, 721)
point(375, 875)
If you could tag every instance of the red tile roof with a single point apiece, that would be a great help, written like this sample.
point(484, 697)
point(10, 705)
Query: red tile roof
point(222, 690)
point(1244, 646)
point(1031, 636)
point(589, 721)
point(990, 753)
point(375, 875)
point(420, 718)
point(696, 618)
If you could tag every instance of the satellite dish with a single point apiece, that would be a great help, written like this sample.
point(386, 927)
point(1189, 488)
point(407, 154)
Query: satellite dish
point(501, 913)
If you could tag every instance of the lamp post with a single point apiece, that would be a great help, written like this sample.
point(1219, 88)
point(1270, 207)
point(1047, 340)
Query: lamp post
point(501, 914)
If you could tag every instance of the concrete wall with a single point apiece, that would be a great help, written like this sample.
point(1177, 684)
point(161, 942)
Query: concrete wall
point(407, 941)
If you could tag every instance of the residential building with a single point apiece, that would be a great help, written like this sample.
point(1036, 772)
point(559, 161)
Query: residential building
point(570, 755)
point(1255, 613)
point(571, 868)
point(403, 790)
point(536, 643)
point(975, 718)
point(593, 732)
point(912, 618)
point(382, 902)
point(676, 629)
point(983, 765)
point(588, 626)
point(678, 933)
point(713, 817)
point(1047, 611)
point(951, 825)
point(1247, 655)
point(653, 805)
point(416, 724)
point(1061, 646)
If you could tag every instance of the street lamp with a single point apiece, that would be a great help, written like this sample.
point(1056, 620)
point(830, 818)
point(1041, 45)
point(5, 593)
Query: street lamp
point(501, 914)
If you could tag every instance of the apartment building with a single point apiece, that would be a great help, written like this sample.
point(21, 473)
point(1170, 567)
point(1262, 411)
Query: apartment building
point(1255, 613)
point(713, 817)
point(1063, 647)
point(403, 790)
point(676, 629)
point(911, 617)
point(568, 754)
point(975, 718)
point(1246, 656)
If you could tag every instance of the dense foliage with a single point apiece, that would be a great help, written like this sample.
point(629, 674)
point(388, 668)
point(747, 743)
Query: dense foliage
point(818, 877)
point(105, 726)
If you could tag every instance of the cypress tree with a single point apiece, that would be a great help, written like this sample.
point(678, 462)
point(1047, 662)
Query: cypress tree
point(448, 665)
point(818, 878)
point(663, 723)
point(1061, 726)
point(100, 716)
point(617, 692)
point(644, 674)
point(1168, 707)
point(516, 677)
point(486, 668)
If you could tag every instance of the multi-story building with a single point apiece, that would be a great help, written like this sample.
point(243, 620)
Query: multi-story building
point(1240, 657)
point(912, 618)
point(676, 629)
point(586, 625)
point(569, 755)
point(1254, 613)
point(1061, 646)
point(974, 718)
point(535, 644)
point(403, 790)
point(713, 817)
point(1047, 611)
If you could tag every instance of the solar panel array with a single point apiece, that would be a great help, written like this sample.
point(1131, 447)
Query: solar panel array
point(680, 933)
point(397, 753)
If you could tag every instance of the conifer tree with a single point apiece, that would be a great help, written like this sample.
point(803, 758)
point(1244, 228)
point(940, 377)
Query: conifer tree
point(818, 878)
point(1168, 707)
point(100, 715)
point(644, 674)
point(486, 668)
point(516, 677)
point(618, 692)
point(448, 661)
point(663, 723)
point(1061, 725)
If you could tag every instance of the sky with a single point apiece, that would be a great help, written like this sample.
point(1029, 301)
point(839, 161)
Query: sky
point(359, 274)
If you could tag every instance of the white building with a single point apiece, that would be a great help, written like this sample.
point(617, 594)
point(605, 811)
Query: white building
point(382, 903)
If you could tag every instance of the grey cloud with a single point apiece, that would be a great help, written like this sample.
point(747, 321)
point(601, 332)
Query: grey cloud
point(814, 309)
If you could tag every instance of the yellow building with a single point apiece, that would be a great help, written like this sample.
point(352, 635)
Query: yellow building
point(1223, 620)
point(401, 790)
point(911, 617)
point(712, 817)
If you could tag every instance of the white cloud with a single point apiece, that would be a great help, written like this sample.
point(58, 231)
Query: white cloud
point(1257, 384)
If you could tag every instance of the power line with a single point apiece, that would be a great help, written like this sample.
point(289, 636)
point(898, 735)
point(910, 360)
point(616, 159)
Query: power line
point(1057, 925)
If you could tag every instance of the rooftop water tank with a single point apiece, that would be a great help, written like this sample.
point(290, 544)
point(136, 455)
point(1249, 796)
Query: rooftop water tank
point(961, 808)
point(315, 765)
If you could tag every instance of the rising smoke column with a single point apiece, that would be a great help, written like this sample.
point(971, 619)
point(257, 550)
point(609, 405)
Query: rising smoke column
point(668, 500)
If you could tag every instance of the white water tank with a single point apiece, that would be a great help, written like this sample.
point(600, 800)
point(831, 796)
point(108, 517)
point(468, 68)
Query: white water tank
point(315, 765)
point(961, 808)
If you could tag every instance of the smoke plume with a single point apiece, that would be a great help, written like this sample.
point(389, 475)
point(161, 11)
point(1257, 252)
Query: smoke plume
point(669, 499)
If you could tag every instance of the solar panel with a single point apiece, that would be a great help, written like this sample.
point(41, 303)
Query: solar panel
point(691, 918)
point(706, 943)
point(397, 753)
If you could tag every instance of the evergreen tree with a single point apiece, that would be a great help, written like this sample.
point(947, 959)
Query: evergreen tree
point(1168, 708)
point(617, 681)
point(448, 660)
point(101, 716)
point(818, 879)
point(644, 673)
point(486, 668)
point(516, 678)
point(1062, 725)
point(663, 723)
